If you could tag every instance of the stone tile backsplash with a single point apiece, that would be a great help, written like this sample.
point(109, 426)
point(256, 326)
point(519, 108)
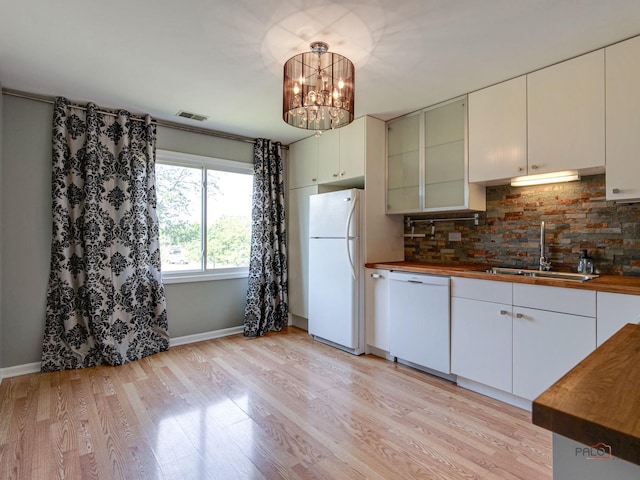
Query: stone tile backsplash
point(576, 215)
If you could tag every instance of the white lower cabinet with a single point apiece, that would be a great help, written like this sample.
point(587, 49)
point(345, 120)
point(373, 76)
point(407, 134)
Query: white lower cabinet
point(553, 330)
point(615, 310)
point(546, 345)
point(519, 338)
point(298, 243)
point(377, 308)
point(481, 331)
point(481, 344)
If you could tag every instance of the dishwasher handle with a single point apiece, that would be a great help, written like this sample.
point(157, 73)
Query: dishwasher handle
point(419, 278)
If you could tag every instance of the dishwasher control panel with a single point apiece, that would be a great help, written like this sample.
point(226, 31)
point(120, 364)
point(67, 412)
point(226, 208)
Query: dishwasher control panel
point(419, 278)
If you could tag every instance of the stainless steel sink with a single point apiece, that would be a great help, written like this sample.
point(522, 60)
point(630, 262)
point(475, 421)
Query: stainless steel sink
point(576, 277)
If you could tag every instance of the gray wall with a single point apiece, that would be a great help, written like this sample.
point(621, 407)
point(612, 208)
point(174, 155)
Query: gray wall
point(25, 210)
point(26, 227)
point(1, 132)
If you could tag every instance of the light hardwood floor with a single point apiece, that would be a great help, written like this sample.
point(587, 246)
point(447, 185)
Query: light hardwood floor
point(280, 406)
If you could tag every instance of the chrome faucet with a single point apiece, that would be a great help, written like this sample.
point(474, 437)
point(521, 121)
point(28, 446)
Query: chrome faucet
point(544, 263)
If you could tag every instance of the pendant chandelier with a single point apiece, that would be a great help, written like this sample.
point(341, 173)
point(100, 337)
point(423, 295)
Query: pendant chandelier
point(318, 89)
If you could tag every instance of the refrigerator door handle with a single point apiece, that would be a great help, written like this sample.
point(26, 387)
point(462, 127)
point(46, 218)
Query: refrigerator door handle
point(348, 238)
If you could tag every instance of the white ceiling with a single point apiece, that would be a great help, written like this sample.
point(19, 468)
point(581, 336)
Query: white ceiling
point(223, 58)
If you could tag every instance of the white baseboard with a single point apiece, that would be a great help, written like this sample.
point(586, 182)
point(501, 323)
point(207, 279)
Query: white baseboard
point(379, 353)
point(299, 322)
point(200, 337)
point(173, 342)
point(505, 397)
point(19, 370)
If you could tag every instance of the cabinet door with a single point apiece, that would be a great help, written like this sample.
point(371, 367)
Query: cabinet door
point(481, 343)
point(298, 250)
point(444, 155)
point(403, 165)
point(498, 131)
point(303, 163)
point(329, 156)
point(352, 152)
point(377, 308)
point(546, 345)
point(615, 310)
point(566, 115)
point(623, 121)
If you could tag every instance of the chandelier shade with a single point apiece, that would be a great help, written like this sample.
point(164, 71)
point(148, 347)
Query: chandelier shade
point(318, 89)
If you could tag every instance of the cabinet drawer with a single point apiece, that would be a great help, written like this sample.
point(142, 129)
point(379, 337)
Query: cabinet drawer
point(555, 299)
point(485, 290)
point(615, 310)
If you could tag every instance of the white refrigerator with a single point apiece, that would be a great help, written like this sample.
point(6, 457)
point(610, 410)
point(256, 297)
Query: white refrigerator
point(336, 283)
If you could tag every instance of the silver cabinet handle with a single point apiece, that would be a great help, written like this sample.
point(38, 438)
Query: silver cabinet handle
point(335, 174)
point(534, 167)
point(376, 276)
point(615, 190)
point(519, 315)
point(519, 169)
point(314, 179)
point(342, 174)
point(503, 312)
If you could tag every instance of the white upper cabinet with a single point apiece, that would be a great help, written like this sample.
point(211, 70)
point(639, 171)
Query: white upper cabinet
point(403, 164)
point(498, 131)
point(329, 156)
point(353, 149)
point(303, 163)
point(565, 115)
point(623, 120)
point(547, 121)
point(336, 157)
point(444, 155)
point(341, 154)
point(427, 162)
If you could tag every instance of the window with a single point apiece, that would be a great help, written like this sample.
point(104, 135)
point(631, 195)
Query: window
point(204, 210)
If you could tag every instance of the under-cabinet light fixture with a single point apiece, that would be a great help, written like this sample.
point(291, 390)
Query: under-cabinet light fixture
point(542, 178)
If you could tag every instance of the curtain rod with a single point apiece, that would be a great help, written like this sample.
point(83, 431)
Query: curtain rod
point(160, 123)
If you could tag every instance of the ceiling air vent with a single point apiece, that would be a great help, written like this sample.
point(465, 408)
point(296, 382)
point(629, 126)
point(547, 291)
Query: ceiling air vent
point(192, 116)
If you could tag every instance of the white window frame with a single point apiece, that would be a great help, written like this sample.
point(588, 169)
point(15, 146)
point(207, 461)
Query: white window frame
point(168, 157)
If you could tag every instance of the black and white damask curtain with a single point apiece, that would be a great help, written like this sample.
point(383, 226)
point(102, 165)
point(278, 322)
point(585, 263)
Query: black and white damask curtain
point(267, 295)
point(105, 300)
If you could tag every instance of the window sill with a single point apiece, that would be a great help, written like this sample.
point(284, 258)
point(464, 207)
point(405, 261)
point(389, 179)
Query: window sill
point(203, 277)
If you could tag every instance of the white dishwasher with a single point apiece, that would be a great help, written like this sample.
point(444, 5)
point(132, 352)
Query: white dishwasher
point(420, 326)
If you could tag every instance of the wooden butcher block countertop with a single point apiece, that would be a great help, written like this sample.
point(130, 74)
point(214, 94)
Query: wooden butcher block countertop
point(599, 399)
point(604, 283)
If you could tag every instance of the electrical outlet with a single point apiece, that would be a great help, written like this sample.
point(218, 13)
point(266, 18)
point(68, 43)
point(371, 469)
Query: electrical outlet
point(455, 236)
